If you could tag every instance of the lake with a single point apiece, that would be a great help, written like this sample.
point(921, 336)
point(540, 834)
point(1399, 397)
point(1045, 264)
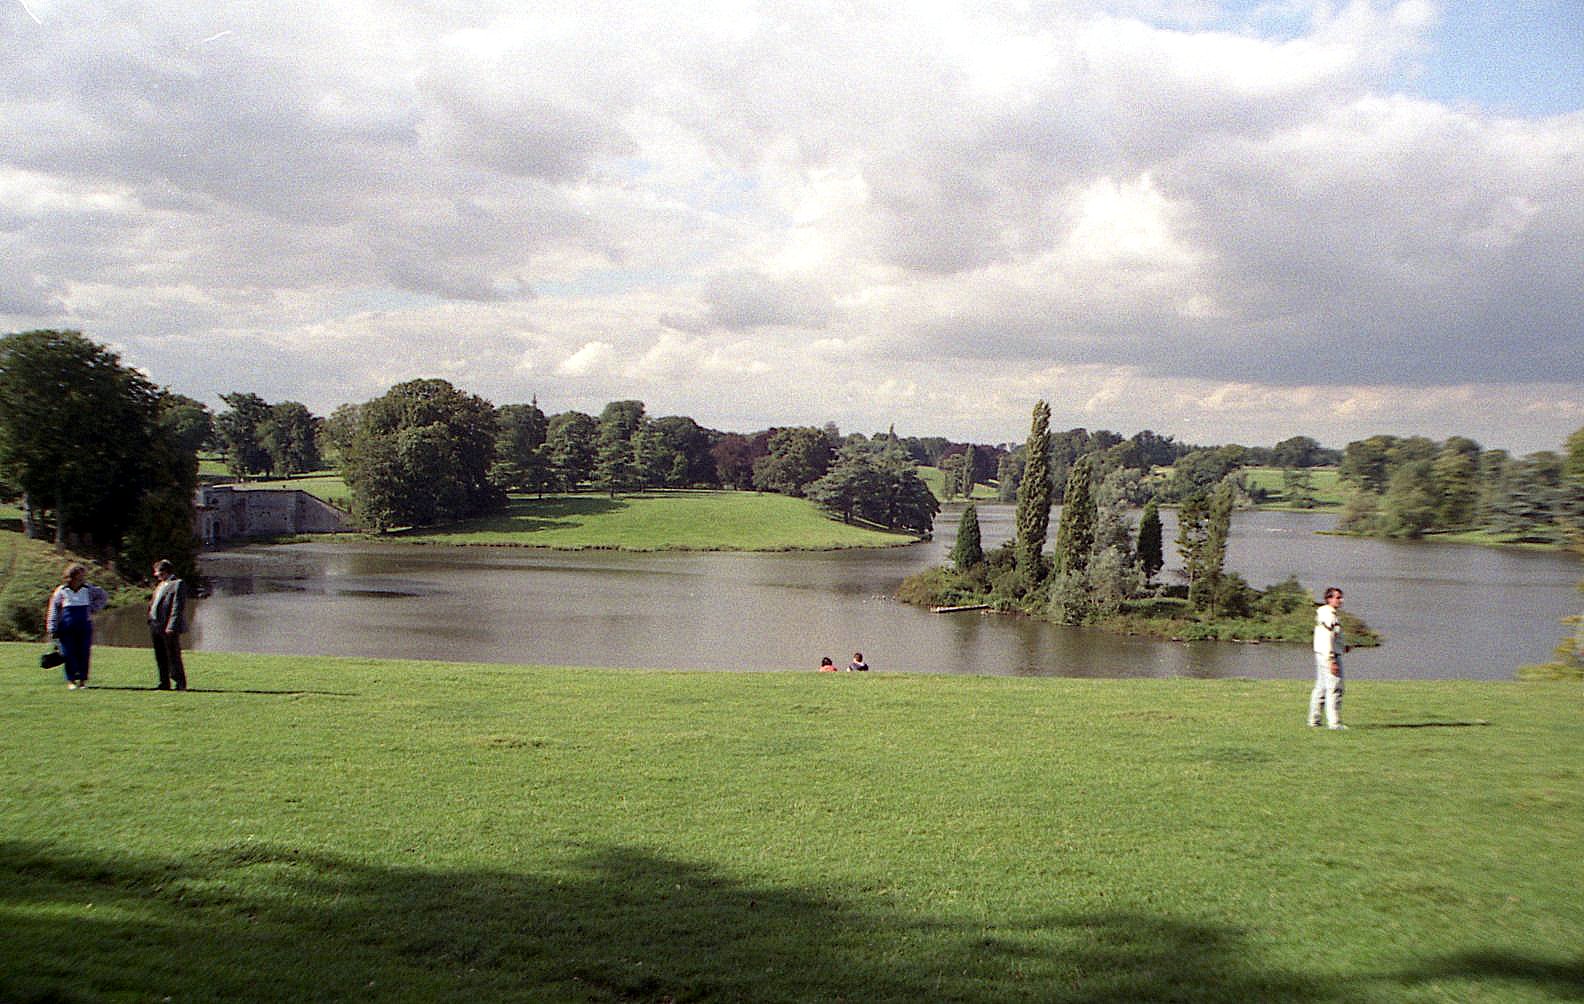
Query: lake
point(1446, 611)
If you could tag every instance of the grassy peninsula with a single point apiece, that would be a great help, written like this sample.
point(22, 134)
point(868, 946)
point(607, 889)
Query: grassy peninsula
point(661, 520)
point(323, 829)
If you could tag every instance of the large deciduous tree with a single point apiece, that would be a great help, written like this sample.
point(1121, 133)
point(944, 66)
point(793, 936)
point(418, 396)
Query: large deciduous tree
point(684, 451)
point(877, 481)
point(238, 428)
point(188, 420)
point(93, 450)
point(520, 454)
point(1298, 451)
point(734, 456)
point(1456, 474)
point(614, 466)
point(571, 442)
point(1408, 507)
point(421, 454)
point(290, 436)
point(797, 458)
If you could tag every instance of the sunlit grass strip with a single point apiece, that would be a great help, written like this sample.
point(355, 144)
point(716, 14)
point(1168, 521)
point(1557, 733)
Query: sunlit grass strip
point(679, 520)
point(935, 479)
point(322, 829)
point(1326, 486)
point(329, 487)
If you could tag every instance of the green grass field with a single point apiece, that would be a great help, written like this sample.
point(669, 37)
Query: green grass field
point(1327, 487)
point(935, 479)
point(29, 572)
point(329, 487)
point(669, 520)
point(321, 830)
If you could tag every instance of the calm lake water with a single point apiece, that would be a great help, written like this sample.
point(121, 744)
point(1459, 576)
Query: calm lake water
point(1446, 611)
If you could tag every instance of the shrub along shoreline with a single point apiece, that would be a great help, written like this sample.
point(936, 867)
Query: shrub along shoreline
point(312, 828)
point(1280, 613)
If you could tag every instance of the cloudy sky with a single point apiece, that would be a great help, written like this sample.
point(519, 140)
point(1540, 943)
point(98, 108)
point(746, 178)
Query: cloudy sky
point(1219, 221)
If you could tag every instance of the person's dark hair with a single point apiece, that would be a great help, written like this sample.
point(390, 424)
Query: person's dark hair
point(73, 569)
point(857, 657)
point(164, 565)
point(826, 661)
point(1331, 591)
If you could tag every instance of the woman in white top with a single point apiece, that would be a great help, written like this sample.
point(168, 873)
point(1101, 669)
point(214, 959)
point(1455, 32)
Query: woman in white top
point(70, 621)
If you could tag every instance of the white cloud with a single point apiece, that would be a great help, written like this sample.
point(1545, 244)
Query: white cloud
point(1160, 213)
point(591, 358)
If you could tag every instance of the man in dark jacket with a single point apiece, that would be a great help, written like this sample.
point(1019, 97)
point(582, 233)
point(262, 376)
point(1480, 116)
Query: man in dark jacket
point(167, 619)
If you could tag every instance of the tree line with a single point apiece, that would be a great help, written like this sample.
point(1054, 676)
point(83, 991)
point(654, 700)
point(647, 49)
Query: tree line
point(101, 458)
point(1411, 486)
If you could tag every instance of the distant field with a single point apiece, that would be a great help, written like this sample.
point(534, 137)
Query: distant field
point(681, 520)
point(1327, 487)
point(211, 468)
point(935, 478)
point(329, 487)
point(312, 829)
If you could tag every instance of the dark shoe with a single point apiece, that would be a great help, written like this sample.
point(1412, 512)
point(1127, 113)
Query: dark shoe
point(163, 686)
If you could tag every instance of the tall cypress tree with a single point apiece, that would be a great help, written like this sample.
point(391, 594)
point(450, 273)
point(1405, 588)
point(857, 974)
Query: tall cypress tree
point(1192, 527)
point(1034, 499)
point(1218, 527)
point(969, 549)
point(1075, 534)
point(1151, 554)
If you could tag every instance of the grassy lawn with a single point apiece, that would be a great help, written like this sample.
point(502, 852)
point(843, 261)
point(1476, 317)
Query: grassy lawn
point(329, 487)
point(319, 829)
point(680, 520)
point(1327, 487)
point(31, 569)
point(935, 479)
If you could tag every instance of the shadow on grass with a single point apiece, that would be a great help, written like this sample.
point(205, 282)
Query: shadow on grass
point(234, 690)
point(528, 516)
point(262, 923)
point(1559, 980)
point(1475, 724)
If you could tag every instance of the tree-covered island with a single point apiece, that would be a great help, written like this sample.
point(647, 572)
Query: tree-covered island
point(1102, 571)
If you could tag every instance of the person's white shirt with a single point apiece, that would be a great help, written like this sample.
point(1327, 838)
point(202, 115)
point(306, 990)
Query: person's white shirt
point(1328, 631)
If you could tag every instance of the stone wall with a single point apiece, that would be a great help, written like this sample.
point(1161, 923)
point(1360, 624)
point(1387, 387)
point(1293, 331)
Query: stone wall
point(229, 512)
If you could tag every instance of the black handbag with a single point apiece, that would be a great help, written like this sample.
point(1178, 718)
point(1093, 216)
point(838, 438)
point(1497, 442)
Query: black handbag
point(51, 658)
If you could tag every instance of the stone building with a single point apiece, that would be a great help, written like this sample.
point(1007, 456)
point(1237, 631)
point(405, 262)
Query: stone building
point(233, 512)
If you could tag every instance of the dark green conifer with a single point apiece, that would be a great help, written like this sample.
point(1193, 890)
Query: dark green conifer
point(1034, 499)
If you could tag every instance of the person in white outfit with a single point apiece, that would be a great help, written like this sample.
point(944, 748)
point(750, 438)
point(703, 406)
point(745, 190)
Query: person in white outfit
point(1328, 651)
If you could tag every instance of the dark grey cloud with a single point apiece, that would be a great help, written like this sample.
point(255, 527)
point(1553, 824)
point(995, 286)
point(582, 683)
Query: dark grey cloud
point(744, 299)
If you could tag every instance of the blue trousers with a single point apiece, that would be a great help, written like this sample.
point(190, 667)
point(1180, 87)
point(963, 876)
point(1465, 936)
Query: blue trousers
point(74, 631)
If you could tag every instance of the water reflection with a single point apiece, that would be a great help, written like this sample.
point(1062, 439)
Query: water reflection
point(1447, 611)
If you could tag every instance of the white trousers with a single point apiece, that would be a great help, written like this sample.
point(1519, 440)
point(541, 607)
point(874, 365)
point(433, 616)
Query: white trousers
point(1327, 691)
